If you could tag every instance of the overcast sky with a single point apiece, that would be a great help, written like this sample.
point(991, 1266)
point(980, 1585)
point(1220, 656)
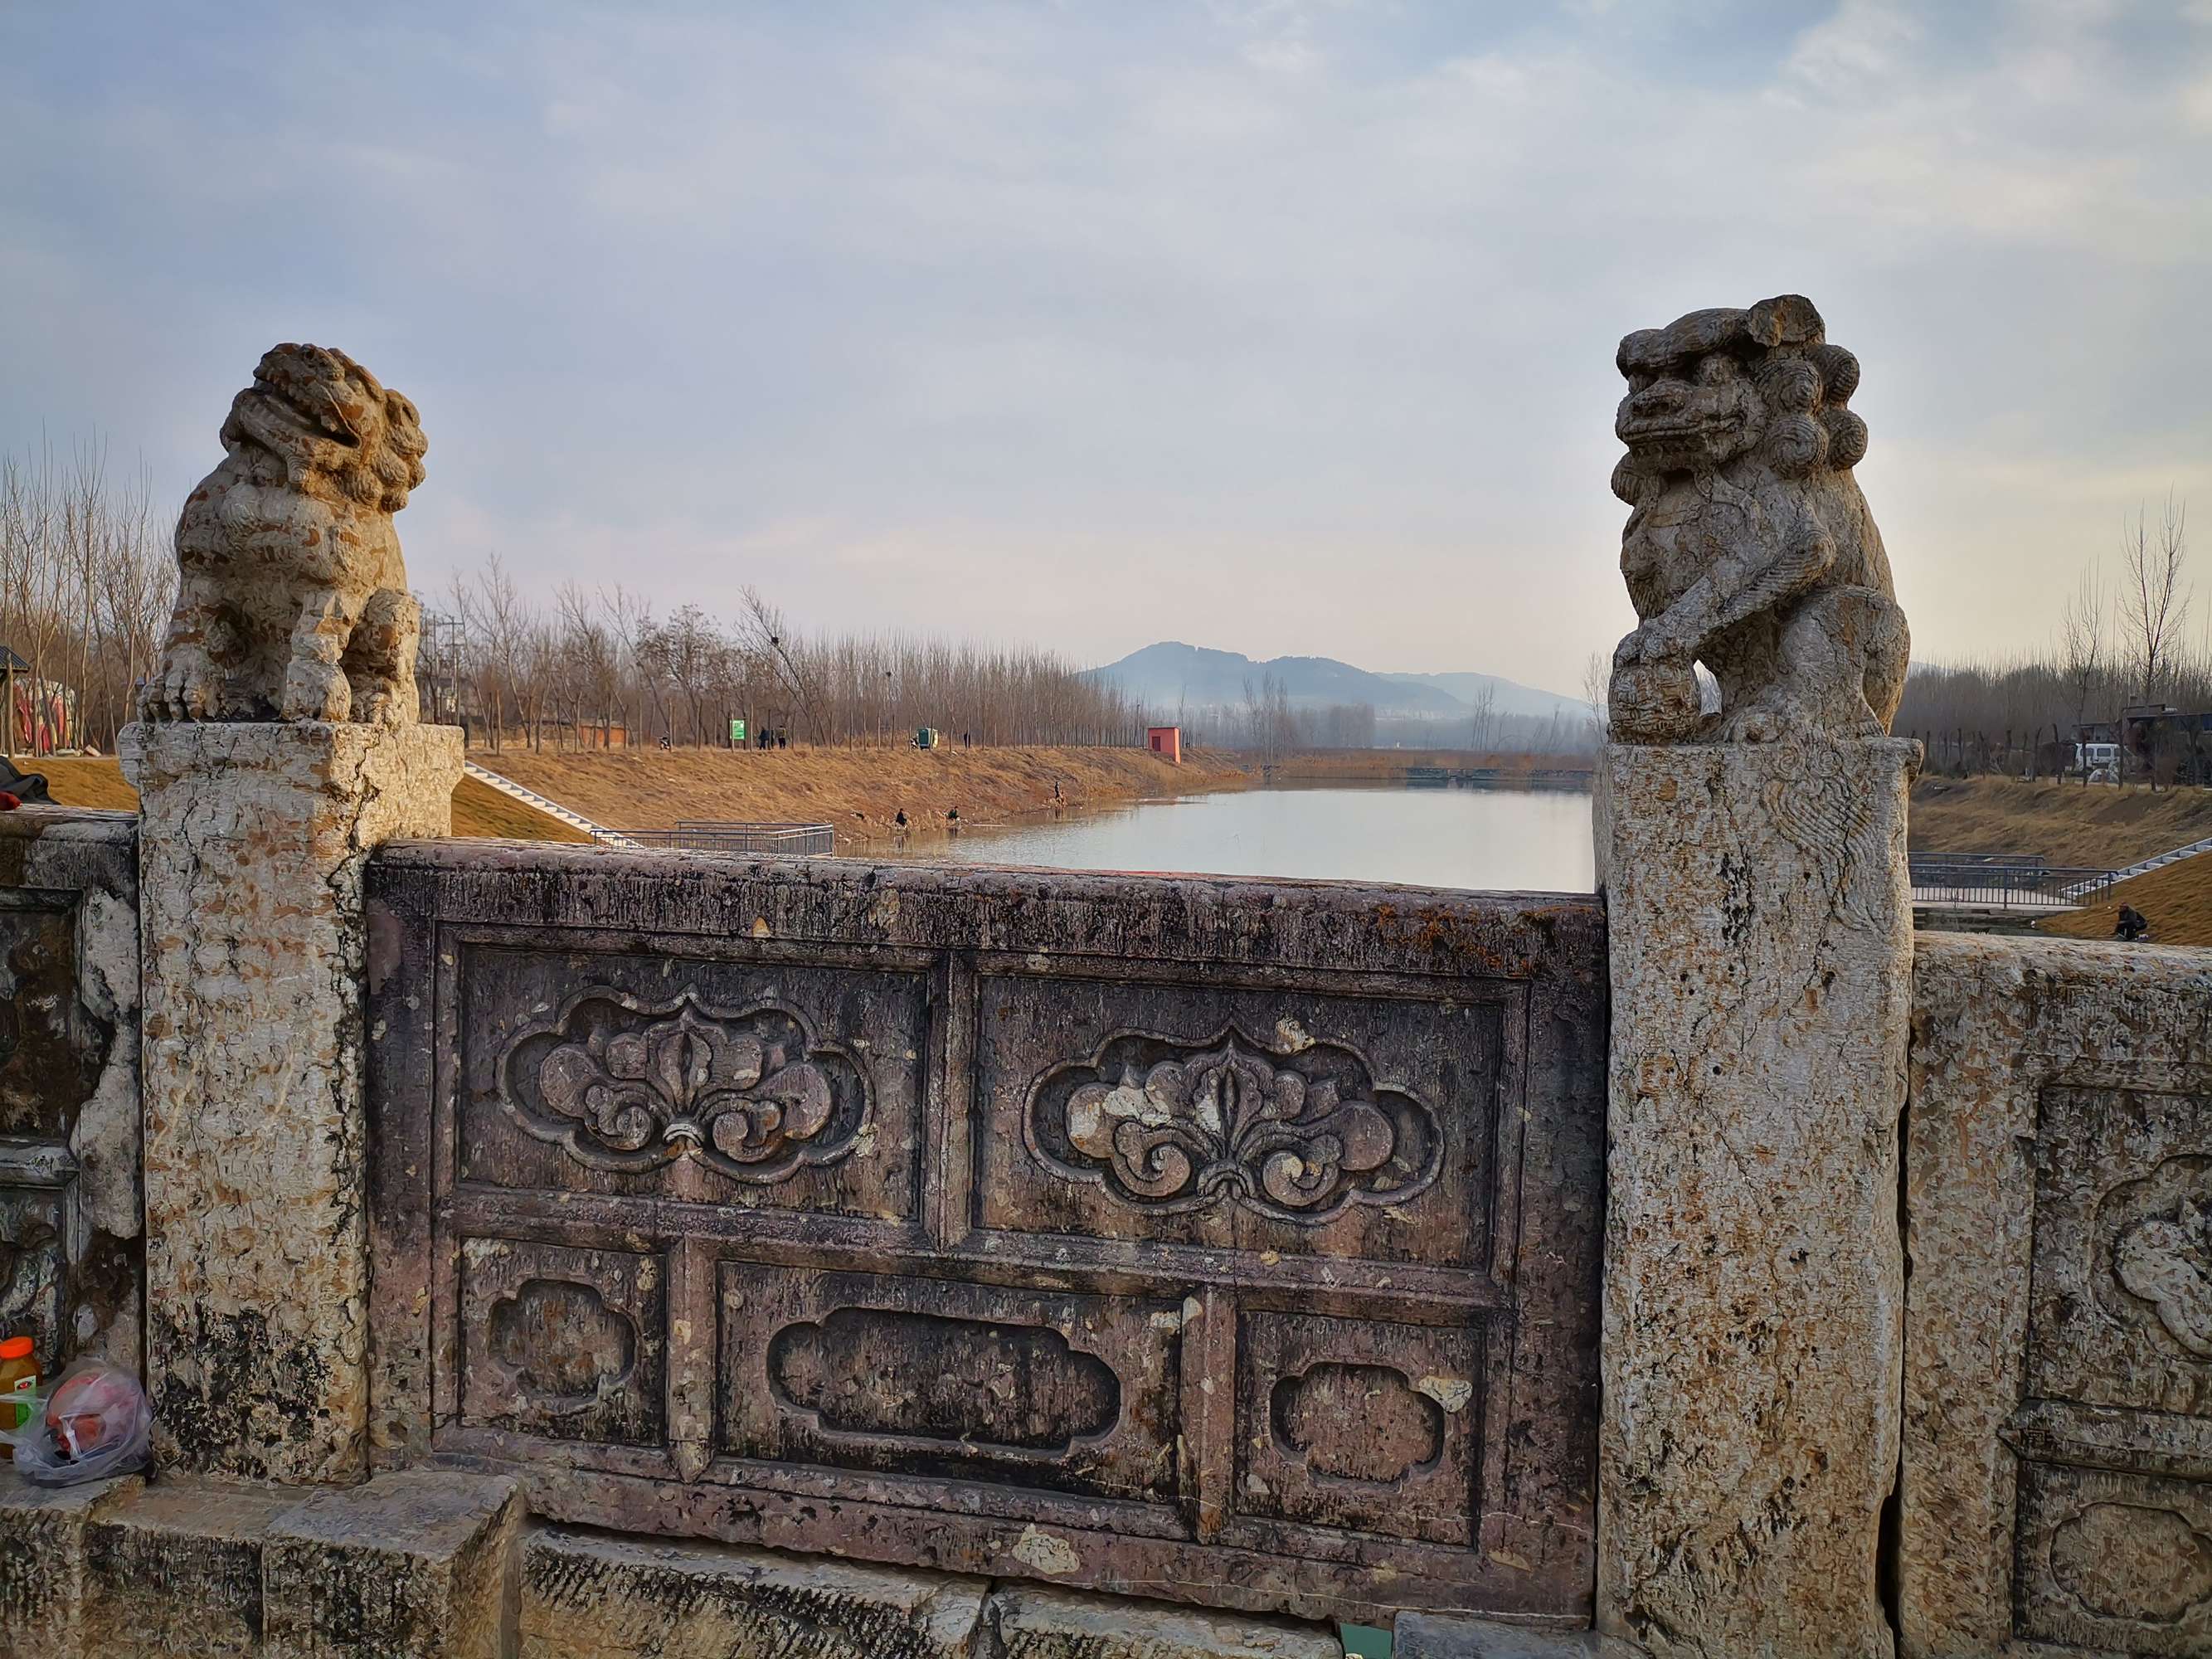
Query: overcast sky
point(1278, 325)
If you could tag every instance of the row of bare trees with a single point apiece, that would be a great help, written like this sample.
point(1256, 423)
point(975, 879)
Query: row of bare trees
point(598, 668)
point(85, 582)
point(1267, 724)
point(2124, 639)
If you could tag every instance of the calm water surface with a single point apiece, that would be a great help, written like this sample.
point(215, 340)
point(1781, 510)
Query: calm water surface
point(1426, 837)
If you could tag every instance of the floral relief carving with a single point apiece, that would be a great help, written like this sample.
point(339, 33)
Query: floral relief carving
point(2157, 1237)
point(1170, 1125)
point(628, 1085)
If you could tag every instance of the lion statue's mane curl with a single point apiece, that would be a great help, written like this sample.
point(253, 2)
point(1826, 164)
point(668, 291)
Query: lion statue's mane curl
point(1749, 548)
point(292, 601)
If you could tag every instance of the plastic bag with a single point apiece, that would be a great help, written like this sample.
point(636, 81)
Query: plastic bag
point(93, 1422)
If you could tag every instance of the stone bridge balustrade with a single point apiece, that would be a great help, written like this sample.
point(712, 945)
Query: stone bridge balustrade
point(559, 1252)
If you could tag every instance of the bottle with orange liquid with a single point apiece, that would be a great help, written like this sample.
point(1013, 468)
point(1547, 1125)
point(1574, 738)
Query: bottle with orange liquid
point(19, 1383)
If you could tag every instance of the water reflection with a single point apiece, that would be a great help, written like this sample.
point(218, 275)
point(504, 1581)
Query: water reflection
point(1501, 839)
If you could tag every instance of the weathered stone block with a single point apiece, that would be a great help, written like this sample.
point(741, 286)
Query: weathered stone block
point(2057, 1430)
point(42, 1556)
point(1760, 935)
point(251, 844)
point(70, 1214)
point(176, 1569)
point(1049, 1624)
point(589, 1596)
point(413, 1565)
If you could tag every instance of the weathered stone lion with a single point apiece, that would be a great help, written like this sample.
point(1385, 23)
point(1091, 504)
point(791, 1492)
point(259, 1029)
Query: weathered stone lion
point(293, 601)
point(1750, 549)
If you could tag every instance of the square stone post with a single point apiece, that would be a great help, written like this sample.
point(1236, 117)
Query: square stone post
point(252, 841)
point(1760, 921)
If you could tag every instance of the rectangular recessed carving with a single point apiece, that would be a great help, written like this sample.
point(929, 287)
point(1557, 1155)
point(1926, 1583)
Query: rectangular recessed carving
point(567, 1344)
point(982, 1219)
point(72, 1212)
point(2121, 1299)
point(41, 1232)
point(50, 1051)
point(1357, 1426)
point(870, 1371)
point(2114, 1562)
point(785, 1087)
point(1260, 1120)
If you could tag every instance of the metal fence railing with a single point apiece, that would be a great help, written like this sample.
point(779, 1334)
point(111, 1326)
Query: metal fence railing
point(2007, 880)
point(716, 835)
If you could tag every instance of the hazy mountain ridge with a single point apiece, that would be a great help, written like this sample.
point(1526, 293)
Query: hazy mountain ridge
point(1171, 674)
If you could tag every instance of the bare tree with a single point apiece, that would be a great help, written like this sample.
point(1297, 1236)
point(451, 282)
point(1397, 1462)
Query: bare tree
point(1597, 691)
point(2084, 651)
point(2153, 597)
point(1482, 727)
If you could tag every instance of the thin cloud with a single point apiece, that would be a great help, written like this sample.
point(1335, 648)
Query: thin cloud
point(1287, 327)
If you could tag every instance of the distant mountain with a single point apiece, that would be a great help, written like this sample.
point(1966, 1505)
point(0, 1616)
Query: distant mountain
point(1171, 673)
point(1507, 696)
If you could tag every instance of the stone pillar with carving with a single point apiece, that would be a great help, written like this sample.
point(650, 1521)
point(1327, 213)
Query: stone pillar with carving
point(277, 747)
point(1750, 847)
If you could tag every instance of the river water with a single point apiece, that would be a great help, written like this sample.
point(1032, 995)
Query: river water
point(1500, 838)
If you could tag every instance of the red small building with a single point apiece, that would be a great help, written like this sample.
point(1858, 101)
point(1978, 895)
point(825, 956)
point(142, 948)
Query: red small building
point(1166, 741)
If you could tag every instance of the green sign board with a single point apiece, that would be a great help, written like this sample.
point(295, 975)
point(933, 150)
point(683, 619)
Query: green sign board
point(736, 730)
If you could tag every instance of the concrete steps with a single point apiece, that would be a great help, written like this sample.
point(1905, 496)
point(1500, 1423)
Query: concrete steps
point(2146, 866)
point(551, 808)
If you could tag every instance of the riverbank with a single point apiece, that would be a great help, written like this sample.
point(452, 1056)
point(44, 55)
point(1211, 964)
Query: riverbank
point(859, 792)
point(2094, 827)
point(479, 808)
point(1345, 767)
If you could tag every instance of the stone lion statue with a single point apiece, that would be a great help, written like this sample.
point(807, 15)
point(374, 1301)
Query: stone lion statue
point(293, 602)
point(1749, 548)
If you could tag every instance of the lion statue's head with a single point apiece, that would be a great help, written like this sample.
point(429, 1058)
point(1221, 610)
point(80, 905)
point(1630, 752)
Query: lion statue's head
point(331, 424)
point(1716, 387)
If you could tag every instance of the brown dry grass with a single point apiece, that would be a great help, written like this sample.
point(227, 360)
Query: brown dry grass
point(479, 808)
point(856, 791)
point(2176, 901)
point(2096, 826)
point(84, 782)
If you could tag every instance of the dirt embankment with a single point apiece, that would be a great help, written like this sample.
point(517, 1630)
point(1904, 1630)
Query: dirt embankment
point(479, 808)
point(2176, 900)
point(859, 791)
point(2094, 827)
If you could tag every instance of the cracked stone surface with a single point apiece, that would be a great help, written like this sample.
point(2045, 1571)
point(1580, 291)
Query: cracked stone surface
point(252, 841)
point(1761, 945)
point(2058, 1381)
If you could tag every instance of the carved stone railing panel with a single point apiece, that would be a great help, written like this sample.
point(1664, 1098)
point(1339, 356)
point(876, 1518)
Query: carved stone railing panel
point(1207, 1115)
point(2059, 1357)
point(919, 1376)
point(1211, 1240)
point(72, 1258)
point(613, 1074)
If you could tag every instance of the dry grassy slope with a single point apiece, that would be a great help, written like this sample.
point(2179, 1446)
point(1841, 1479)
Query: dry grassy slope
point(857, 790)
point(2176, 901)
point(2098, 828)
point(479, 808)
